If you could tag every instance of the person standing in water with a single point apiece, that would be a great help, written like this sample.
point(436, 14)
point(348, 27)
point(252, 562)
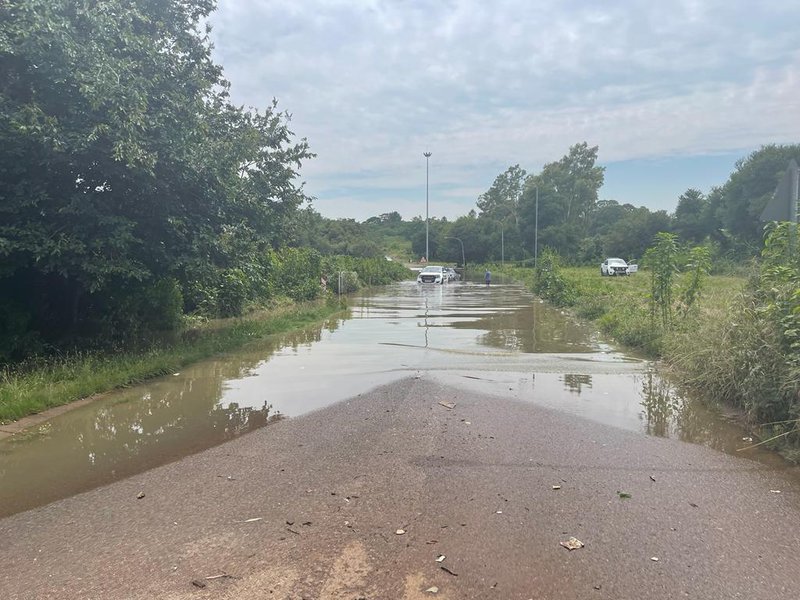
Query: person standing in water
point(487, 277)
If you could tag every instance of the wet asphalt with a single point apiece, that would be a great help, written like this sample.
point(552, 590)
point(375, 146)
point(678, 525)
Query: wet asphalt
point(314, 506)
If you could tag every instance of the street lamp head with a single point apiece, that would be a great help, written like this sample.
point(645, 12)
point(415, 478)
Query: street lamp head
point(426, 154)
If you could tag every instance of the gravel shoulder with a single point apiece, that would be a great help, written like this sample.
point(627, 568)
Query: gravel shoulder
point(311, 507)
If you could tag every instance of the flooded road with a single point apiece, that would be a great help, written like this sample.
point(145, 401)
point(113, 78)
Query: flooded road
point(498, 340)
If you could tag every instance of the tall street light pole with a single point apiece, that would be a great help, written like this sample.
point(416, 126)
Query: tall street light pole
point(536, 231)
point(427, 155)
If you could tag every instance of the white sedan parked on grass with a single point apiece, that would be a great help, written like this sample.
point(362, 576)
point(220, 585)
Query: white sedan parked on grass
point(613, 266)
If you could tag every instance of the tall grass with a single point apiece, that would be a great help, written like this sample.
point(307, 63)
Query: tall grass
point(37, 385)
point(736, 343)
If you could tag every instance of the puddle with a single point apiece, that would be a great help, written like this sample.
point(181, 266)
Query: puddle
point(499, 337)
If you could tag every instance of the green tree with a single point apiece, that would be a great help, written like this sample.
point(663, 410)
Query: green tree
point(124, 163)
point(743, 197)
point(690, 216)
point(568, 192)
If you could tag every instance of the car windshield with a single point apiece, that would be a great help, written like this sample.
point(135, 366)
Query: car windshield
point(432, 270)
point(616, 261)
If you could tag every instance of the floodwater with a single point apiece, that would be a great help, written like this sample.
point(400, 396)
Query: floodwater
point(499, 340)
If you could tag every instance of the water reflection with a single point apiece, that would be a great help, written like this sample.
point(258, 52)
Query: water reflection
point(575, 382)
point(526, 349)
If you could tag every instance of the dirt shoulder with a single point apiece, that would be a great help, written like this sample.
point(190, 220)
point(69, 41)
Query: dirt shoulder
point(310, 508)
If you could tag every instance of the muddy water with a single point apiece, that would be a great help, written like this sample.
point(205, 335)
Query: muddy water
point(498, 339)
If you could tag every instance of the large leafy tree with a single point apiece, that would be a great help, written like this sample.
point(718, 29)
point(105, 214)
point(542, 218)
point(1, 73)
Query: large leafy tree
point(568, 192)
point(690, 221)
point(741, 199)
point(122, 160)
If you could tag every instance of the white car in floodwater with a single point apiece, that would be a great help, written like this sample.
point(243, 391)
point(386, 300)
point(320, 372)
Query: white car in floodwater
point(432, 274)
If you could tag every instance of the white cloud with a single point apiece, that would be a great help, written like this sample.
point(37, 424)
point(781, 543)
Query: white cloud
point(485, 85)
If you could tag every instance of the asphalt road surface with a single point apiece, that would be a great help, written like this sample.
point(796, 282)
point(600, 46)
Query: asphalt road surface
point(360, 499)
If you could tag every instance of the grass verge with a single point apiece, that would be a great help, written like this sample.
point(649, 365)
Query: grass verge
point(726, 348)
point(35, 387)
point(620, 306)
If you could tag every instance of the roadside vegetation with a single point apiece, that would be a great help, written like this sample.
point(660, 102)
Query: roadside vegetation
point(37, 384)
point(298, 298)
point(733, 339)
point(140, 204)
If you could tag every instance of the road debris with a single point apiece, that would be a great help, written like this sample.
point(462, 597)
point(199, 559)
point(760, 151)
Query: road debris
point(446, 570)
point(556, 487)
point(623, 495)
point(140, 495)
point(199, 583)
point(572, 544)
point(432, 590)
point(253, 520)
point(652, 478)
point(400, 532)
point(447, 405)
point(775, 491)
point(654, 558)
point(440, 558)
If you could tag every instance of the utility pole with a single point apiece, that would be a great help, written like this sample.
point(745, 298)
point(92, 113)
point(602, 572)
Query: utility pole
point(427, 155)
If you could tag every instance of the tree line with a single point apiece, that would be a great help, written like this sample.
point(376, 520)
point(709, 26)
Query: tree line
point(132, 189)
point(572, 219)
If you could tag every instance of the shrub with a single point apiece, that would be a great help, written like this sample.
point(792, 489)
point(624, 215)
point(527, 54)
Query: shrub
point(549, 282)
point(296, 273)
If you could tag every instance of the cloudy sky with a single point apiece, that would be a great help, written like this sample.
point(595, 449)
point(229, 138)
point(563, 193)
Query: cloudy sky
point(673, 92)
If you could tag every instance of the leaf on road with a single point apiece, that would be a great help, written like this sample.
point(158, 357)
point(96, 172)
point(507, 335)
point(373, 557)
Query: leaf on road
point(440, 558)
point(432, 590)
point(623, 495)
point(572, 544)
point(400, 532)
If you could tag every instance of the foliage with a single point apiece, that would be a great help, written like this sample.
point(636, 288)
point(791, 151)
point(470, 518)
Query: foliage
point(34, 386)
point(125, 165)
point(361, 271)
point(690, 221)
point(739, 202)
point(500, 204)
point(297, 273)
point(698, 267)
point(568, 193)
point(548, 281)
point(749, 355)
point(661, 259)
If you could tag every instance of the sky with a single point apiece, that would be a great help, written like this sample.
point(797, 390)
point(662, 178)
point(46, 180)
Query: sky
point(672, 92)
